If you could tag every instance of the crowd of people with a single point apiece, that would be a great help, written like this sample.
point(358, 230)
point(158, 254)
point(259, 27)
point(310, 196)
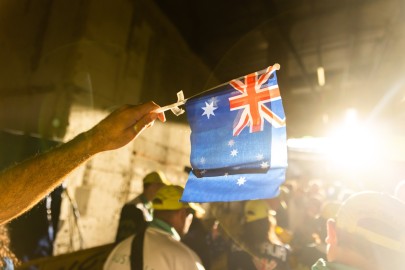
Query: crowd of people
point(307, 226)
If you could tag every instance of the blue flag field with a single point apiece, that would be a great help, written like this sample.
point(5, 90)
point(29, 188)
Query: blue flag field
point(238, 140)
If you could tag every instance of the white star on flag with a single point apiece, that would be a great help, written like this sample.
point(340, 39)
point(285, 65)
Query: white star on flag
point(241, 181)
point(231, 143)
point(264, 165)
point(234, 152)
point(202, 160)
point(259, 156)
point(209, 109)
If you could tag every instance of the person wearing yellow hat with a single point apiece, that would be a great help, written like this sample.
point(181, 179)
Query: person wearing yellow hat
point(136, 213)
point(368, 233)
point(260, 248)
point(158, 246)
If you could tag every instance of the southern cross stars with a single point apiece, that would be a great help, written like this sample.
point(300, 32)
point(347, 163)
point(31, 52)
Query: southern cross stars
point(209, 109)
point(259, 156)
point(264, 165)
point(241, 181)
point(234, 152)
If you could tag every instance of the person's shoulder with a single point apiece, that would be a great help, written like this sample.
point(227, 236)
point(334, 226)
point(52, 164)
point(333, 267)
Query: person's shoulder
point(158, 235)
point(135, 201)
point(132, 205)
point(124, 244)
point(119, 256)
point(187, 255)
point(171, 248)
point(165, 239)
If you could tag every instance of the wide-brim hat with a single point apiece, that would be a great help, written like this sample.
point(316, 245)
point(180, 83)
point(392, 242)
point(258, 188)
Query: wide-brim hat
point(377, 217)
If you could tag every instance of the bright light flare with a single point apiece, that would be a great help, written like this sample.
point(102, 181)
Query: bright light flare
point(349, 148)
point(353, 148)
point(321, 76)
point(351, 117)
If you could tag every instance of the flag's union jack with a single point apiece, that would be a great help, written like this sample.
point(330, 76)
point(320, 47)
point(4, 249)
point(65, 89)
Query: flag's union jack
point(252, 102)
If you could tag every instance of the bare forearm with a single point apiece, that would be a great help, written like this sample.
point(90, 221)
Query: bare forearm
point(23, 185)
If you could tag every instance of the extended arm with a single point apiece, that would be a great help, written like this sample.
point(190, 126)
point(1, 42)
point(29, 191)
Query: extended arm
point(23, 185)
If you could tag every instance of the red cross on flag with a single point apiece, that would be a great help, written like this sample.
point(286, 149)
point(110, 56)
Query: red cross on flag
point(252, 102)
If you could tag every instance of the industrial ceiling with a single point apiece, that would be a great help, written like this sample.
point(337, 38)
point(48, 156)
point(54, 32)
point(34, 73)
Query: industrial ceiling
point(358, 43)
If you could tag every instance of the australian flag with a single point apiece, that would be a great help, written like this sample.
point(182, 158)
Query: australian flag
point(238, 140)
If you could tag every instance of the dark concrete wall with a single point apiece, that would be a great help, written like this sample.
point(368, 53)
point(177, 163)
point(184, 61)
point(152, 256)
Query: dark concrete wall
point(98, 54)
